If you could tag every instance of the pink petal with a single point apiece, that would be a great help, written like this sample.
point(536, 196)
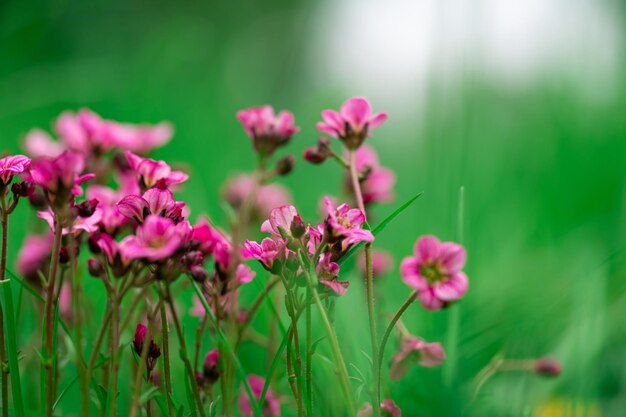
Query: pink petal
point(429, 300)
point(427, 248)
point(452, 256)
point(376, 121)
point(356, 111)
point(452, 289)
point(336, 287)
point(409, 269)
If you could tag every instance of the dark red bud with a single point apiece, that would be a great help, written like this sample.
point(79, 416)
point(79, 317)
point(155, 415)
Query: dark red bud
point(285, 165)
point(87, 207)
point(314, 156)
point(95, 268)
point(298, 228)
point(23, 189)
point(547, 367)
point(198, 273)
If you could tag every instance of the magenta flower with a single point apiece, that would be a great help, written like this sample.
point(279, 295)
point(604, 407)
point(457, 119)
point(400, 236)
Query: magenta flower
point(352, 123)
point(39, 144)
point(112, 218)
point(116, 253)
point(12, 165)
point(270, 252)
point(377, 182)
point(283, 222)
point(149, 171)
point(139, 339)
point(156, 239)
point(267, 130)
point(207, 237)
point(138, 138)
point(60, 177)
point(328, 273)
point(435, 272)
point(344, 225)
point(415, 350)
point(34, 255)
point(211, 366)
point(267, 196)
point(79, 224)
point(244, 274)
point(159, 201)
point(271, 405)
point(388, 408)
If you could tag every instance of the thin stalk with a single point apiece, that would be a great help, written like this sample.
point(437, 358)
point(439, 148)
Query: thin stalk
point(356, 185)
point(308, 373)
point(49, 307)
point(184, 353)
point(381, 352)
point(255, 306)
point(166, 359)
point(198, 346)
point(96, 346)
point(115, 366)
point(3, 352)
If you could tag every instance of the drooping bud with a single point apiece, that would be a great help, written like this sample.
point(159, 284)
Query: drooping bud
point(95, 268)
point(313, 155)
point(140, 337)
point(285, 165)
point(23, 189)
point(198, 273)
point(547, 367)
point(210, 367)
point(298, 228)
point(87, 207)
point(64, 255)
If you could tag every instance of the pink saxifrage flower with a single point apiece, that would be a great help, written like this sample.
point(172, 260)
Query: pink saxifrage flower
point(150, 171)
point(346, 224)
point(268, 196)
point(267, 130)
point(388, 408)
point(352, 123)
point(156, 239)
point(415, 350)
point(270, 253)
point(34, 254)
point(377, 182)
point(60, 177)
point(271, 406)
point(328, 273)
point(282, 221)
point(435, 272)
point(12, 165)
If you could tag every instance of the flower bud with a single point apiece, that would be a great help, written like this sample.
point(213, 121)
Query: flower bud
point(87, 207)
point(210, 367)
point(285, 165)
point(314, 156)
point(547, 367)
point(95, 268)
point(298, 228)
point(23, 189)
point(38, 201)
point(198, 273)
point(193, 258)
point(64, 255)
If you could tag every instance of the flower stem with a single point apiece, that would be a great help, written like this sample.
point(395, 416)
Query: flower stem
point(49, 307)
point(308, 374)
point(3, 352)
point(97, 344)
point(166, 360)
point(115, 343)
point(381, 352)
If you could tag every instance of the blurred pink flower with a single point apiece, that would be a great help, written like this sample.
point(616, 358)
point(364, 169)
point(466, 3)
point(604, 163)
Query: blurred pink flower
point(414, 349)
point(281, 221)
point(197, 310)
point(388, 408)
point(108, 198)
point(34, 254)
point(382, 262)
point(377, 183)
point(271, 406)
point(156, 239)
point(346, 224)
point(211, 366)
point(79, 224)
point(138, 138)
point(13, 165)
point(149, 171)
point(352, 123)
point(38, 144)
point(435, 272)
point(61, 176)
point(244, 274)
point(267, 196)
point(267, 130)
point(65, 302)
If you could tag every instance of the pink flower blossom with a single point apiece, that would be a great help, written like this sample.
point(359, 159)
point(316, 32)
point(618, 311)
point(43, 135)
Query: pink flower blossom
point(34, 254)
point(149, 171)
point(116, 254)
point(108, 198)
point(12, 165)
point(138, 138)
point(352, 123)
point(267, 196)
point(270, 252)
point(60, 177)
point(271, 406)
point(39, 144)
point(156, 239)
point(377, 183)
point(435, 272)
point(346, 224)
point(328, 273)
point(267, 130)
point(416, 350)
point(388, 408)
point(281, 221)
point(159, 201)
point(244, 274)
point(78, 225)
point(207, 237)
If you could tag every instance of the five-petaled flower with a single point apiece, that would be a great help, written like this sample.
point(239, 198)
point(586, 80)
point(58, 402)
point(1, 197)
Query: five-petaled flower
point(267, 130)
point(344, 228)
point(352, 123)
point(415, 350)
point(435, 272)
point(12, 165)
point(156, 239)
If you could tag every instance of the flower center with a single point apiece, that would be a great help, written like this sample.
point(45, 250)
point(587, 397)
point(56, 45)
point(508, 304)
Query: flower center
point(343, 222)
point(433, 272)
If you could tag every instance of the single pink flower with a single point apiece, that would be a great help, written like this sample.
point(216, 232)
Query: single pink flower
point(377, 182)
point(267, 196)
point(60, 177)
point(80, 224)
point(271, 406)
point(244, 274)
point(352, 123)
point(435, 272)
point(156, 200)
point(281, 222)
point(149, 171)
point(382, 262)
point(137, 138)
point(388, 408)
point(267, 130)
point(156, 239)
point(13, 165)
point(116, 253)
point(415, 350)
point(39, 144)
point(34, 254)
point(270, 252)
point(82, 131)
point(344, 223)
point(315, 235)
point(328, 273)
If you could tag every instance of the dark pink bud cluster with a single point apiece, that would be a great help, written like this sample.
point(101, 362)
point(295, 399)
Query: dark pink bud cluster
point(153, 350)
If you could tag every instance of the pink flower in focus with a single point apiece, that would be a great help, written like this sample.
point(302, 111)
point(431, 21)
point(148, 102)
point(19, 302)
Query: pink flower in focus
point(270, 252)
point(413, 350)
point(12, 165)
point(156, 239)
point(352, 123)
point(39, 144)
point(108, 198)
point(159, 201)
point(267, 130)
point(281, 221)
point(345, 223)
point(149, 171)
point(34, 254)
point(377, 182)
point(382, 262)
point(328, 272)
point(435, 272)
point(267, 196)
point(388, 408)
point(271, 406)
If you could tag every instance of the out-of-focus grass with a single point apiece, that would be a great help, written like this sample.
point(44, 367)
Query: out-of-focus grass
point(543, 171)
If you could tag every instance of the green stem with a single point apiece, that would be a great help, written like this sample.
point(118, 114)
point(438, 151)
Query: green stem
point(381, 352)
point(96, 346)
point(166, 360)
point(308, 373)
point(115, 367)
point(3, 352)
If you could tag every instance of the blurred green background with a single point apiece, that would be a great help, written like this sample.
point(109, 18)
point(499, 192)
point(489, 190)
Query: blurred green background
point(522, 103)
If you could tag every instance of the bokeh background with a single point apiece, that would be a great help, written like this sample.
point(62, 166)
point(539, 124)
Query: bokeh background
point(521, 103)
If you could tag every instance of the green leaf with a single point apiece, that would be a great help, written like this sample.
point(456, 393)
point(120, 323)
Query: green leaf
point(380, 227)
